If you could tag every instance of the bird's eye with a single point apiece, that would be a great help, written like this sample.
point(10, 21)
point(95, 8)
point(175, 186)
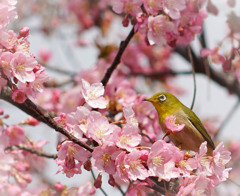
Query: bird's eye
point(162, 98)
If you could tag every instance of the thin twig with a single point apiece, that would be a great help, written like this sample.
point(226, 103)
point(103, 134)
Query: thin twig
point(117, 59)
point(161, 74)
point(194, 76)
point(33, 151)
point(227, 118)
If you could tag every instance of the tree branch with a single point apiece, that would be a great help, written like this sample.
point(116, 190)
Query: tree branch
point(33, 151)
point(117, 59)
point(218, 77)
point(42, 115)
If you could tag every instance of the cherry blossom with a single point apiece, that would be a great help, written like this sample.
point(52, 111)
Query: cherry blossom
point(128, 138)
point(170, 123)
point(93, 94)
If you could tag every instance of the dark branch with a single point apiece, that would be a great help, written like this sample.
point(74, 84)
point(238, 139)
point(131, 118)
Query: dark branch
point(117, 59)
point(218, 77)
point(42, 115)
point(161, 74)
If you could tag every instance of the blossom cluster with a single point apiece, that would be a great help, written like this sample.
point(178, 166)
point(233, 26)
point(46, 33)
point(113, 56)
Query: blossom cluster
point(171, 23)
point(122, 152)
point(19, 68)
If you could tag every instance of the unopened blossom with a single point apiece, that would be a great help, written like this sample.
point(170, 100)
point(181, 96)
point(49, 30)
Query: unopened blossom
point(171, 125)
point(103, 158)
point(24, 32)
point(128, 138)
point(22, 67)
point(134, 167)
point(86, 189)
point(162, 159)
point(129, 115)
point(93, 94)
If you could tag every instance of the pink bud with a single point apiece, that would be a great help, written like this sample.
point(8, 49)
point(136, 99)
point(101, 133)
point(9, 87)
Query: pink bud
point(88, 165)
point(98, 181)
point(1, 111)
point(31, 121)
point(24, 32)
point(6, 116)
point(58, 186)
point(111, 180)
point(125, 21)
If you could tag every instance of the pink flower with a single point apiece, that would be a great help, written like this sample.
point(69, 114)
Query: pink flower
point(195, 185)
point(86, 189)
point(14, 135)
point(6, 164)
point(132, 7)
point(158, 29)
point(125, 94)
point(22, 67)
point(77, 152)
point(5, 59)
point(161, 160)
point(173, 7)
point(93, 94)
point(134, 167)
point(129, 115)
point(78, 119)
point(103, 158)
point(71, 157)
point(101, 131)
point(171, 125)
point(45, 55)
point(128, 138)
point(121, 170)
point(139, 189)
point(152, 6)
point(19, 96)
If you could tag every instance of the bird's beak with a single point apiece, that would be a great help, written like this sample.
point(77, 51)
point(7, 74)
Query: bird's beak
point(148, 99)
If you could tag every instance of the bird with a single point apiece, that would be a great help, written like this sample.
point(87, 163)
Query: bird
point(193, 134)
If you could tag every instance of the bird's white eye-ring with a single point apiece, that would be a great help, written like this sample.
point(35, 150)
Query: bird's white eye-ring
point(162, 98)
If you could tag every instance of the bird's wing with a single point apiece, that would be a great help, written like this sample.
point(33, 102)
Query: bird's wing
point(195, 121)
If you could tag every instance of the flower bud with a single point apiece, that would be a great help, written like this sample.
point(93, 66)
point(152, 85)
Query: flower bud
point(24, 32)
